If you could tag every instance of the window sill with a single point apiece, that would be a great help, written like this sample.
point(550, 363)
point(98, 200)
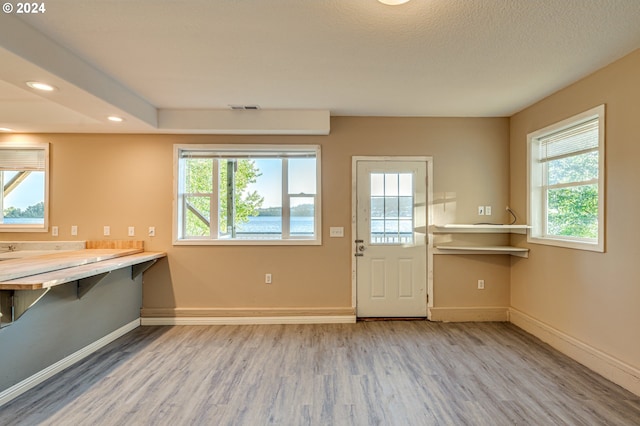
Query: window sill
point(576, 245)
point(23, 229)
point(196, 242)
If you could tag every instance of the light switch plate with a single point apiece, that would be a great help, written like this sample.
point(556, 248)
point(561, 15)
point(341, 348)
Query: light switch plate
point(336, 231)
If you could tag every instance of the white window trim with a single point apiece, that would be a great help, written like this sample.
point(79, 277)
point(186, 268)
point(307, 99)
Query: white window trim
point(244, 149)
point(5, 227)
point(535, 201)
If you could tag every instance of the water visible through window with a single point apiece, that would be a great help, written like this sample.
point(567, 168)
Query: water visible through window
point(391, 208)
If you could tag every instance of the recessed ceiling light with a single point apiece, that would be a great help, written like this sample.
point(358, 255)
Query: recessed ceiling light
point(115, 119)
point(5, 129)
point(393, 2)
point(38, 85)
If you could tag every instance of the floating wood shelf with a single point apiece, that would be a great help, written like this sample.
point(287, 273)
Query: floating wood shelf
point(461, 228)
point(513, 251)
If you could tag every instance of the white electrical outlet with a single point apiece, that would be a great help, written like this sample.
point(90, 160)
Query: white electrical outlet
point(487, 210)
point(54, 231)
point(267, 278)
point(74, 230)
point(152, 231)
point(131, 231)
point(480, 210)
point(480, 284)
point(107, 231)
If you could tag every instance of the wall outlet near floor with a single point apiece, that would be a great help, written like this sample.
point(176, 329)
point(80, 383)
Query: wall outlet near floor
point(74, 230)
point(54, 231)
point(152, 231)
point(106, 231)
point(131, 231)
point(487, 210)
point(480, 284)
point(267, 278)
point(480, 210)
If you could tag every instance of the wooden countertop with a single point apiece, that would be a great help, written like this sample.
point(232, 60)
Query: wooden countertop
point(33, 265)
point(95, 262)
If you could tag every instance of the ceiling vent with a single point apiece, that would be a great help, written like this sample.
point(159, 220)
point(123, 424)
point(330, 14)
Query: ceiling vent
point(245, 107)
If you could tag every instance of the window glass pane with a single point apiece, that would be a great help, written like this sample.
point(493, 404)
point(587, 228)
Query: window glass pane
point(391, 207)
point(245, 198)
point(573, 212)
point(198, 175)
point(377, 207)
point(405, 227)
point(262, 227)
point(391, 184)
point(302, 176)
point(577, 168)
point(405, 210)
point(198, 216)
point(302, 216)
point(405, 184)
point(391, 215)
point(391, 226)
point(24, 201)
point(267, 184)
point(377, 184)
point(240, 209)
point(377, 231)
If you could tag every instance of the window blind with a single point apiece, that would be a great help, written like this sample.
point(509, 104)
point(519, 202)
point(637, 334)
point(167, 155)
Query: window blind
point(571, 141)
point(22, 159)
point(244, 155)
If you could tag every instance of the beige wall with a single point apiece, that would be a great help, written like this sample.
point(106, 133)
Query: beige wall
point(592, 297)
point(126, 180)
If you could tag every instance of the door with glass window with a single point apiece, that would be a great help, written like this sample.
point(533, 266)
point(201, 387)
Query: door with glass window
point(390, 245)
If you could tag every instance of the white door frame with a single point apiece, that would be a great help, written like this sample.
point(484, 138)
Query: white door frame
point(354, 206)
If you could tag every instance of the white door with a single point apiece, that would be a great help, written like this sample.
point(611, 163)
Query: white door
point(390, 246)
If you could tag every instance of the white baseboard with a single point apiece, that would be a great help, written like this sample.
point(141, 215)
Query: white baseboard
point(30, 382)
point(607, 366)
point(322, 319)
point(480, 314)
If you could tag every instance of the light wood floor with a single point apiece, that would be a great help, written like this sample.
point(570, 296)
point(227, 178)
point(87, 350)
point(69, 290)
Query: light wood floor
point(369, 373)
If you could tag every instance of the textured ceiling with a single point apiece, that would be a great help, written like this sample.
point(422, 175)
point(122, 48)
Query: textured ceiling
point(350, 57)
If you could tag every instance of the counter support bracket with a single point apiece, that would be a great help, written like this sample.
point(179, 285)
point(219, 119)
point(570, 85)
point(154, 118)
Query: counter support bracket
point(141, 267)
point(14, 303)
point(86, 284)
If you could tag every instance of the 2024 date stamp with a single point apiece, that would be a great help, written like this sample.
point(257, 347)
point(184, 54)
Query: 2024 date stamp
point(24, 8)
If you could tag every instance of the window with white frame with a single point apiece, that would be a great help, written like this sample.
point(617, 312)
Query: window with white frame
point(24, 174)
point(566, 182)
point(247, 194)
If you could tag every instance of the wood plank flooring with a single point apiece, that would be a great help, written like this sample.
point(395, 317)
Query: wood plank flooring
point(369, 373)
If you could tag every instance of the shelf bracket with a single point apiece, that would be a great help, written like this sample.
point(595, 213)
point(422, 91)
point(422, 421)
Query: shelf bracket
point(86, 284)
point(141, 267)
point(14, 303)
